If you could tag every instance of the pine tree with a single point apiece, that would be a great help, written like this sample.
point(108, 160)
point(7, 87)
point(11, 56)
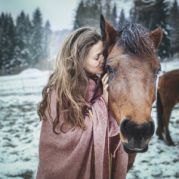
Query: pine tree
point(174, 23)
point(37, 36)
point(153, 14)
point(142, 12)
point(114, 16)
point(2, 19)
point(87, 14)
point(46, 40)
point(23, 41)
point(161, 14)
point(110, 13)
point(78, 17)
point(7, 43)
point(122, 19)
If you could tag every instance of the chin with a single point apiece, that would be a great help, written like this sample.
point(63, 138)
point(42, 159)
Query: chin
point(135, 150)
point(100, 72)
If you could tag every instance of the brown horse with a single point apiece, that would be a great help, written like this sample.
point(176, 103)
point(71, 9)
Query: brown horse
point(167, 97)
point(132, 64)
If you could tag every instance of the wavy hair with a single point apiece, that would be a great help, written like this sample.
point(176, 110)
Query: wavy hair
point(69, 79)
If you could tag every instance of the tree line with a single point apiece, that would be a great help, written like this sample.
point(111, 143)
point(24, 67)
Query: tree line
point(151, 14)
point(23, 43)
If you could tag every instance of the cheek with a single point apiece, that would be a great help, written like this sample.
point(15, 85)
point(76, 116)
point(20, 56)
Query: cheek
point(151, 92)
point(92, 66)
point(94, 63)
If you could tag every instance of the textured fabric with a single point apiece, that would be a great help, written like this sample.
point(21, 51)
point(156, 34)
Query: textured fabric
point(82, 154)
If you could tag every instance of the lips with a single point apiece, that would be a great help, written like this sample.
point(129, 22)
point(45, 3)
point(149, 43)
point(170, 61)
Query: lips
point(135, 150)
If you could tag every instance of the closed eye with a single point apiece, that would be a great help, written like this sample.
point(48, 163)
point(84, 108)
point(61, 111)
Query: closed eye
point(96, 58)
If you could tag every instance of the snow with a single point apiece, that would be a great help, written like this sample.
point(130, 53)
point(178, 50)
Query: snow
point(29, 81)
point(31, 72)
point(19, 123)
point(20, 128)
point(167, 66)
point(160, 161)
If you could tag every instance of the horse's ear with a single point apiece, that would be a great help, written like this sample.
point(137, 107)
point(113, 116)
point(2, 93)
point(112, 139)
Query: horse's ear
point(156, 36)
point(102, 27)
point(108, 33)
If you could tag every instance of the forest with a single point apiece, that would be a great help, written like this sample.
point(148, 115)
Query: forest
point(24, 42)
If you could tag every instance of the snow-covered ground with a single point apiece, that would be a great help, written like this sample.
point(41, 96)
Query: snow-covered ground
point(19, 123)
point(20, 127)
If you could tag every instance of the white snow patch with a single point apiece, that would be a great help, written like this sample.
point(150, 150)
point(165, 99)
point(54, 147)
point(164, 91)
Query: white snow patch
point(20, 128)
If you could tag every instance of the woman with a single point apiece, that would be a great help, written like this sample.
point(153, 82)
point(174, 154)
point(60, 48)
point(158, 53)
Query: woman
point(77, 136)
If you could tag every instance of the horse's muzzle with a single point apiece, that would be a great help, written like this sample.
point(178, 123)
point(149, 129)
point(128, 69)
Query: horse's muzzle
point(135, 137)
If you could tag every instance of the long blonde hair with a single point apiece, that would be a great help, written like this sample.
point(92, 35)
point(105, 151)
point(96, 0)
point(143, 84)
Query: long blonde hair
point(69, 78)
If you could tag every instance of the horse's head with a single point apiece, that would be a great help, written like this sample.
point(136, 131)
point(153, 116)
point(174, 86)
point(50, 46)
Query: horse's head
point(132, 64)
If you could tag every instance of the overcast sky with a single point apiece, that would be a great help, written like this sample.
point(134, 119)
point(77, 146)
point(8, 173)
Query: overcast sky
point(60, 13)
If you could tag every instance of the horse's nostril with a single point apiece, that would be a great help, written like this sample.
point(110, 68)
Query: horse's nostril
point(124, 125)
point(148, 129)
point(131, 129)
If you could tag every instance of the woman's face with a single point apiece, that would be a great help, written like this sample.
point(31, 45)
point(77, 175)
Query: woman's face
point(94, 60)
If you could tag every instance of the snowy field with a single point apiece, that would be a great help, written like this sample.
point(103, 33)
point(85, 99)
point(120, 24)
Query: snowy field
point(20, 127)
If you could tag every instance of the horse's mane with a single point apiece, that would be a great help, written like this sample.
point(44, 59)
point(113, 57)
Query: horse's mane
point(135, 39)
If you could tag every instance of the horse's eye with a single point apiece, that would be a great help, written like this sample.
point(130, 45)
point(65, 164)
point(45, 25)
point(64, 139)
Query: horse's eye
point(157, 72)
point(109, 69)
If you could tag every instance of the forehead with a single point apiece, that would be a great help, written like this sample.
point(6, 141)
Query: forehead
point(96, 48)
point(118, 55)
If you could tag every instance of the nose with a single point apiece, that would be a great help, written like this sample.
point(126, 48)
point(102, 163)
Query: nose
point(136, 136)
point(101, 58)
point(131, 129)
